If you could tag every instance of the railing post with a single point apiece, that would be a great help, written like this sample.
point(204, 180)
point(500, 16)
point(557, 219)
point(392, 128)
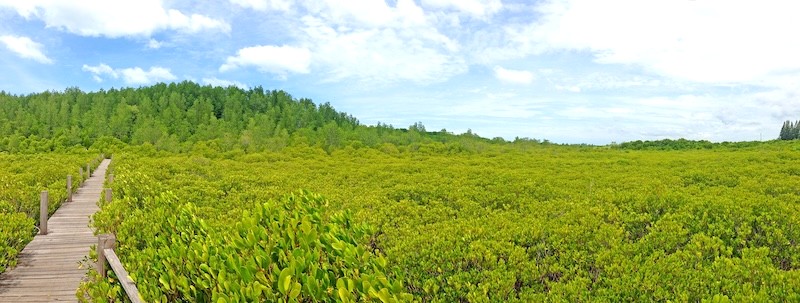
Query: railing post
point(104, 241)
point(110, 178)
point(80, 171)
point(88, 171)
point(108, 195)
point(69, 188)
point(43, 212)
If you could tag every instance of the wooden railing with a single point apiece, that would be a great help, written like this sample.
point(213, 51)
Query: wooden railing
point(105, 254)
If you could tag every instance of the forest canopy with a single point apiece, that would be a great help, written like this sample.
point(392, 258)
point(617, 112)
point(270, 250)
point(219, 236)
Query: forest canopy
point(182, 116)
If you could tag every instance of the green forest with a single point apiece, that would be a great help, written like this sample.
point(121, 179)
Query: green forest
point(250, 195)
point(180, 117)
point(790, 130)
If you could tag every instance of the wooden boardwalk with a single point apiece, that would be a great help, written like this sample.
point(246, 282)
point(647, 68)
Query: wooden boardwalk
point(47, 269)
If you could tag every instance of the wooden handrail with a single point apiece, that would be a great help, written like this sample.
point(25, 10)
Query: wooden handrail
point(122, 276)
point(106, 254)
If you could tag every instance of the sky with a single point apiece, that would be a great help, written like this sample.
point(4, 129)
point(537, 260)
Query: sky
point(569, 71)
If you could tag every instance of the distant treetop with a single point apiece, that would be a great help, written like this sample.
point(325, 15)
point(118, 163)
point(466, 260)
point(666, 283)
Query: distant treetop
point(790, 130)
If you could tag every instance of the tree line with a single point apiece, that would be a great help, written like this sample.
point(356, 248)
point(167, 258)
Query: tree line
point(184, 116)
point(790, 130)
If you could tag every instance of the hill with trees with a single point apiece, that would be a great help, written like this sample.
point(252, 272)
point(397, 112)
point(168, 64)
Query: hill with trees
point(182, 116)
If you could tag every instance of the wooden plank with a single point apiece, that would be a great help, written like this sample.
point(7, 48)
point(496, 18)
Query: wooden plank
point(41, 283)
point(122, 275)
point(62, 269)
point(78, 247)
point(53, 297)
point(30, 266)
point(48, 269)
point(59, 296)
point(41, 291)
point(55, 275)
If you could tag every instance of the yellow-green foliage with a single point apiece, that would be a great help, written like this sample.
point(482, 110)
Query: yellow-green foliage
point(15, 231)
point(505, 224)
point(278, 251)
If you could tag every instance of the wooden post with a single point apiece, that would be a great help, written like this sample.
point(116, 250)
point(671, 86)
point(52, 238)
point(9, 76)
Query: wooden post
point(43, 212)
point(110, 178)
point(108, 195)
point(69, 188)
point(104, 241)
point(88, 171)
point(80, 171)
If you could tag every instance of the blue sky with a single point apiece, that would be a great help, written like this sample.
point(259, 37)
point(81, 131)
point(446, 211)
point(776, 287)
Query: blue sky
point(571, 71)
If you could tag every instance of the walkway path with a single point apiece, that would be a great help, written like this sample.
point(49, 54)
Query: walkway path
point(47, 269)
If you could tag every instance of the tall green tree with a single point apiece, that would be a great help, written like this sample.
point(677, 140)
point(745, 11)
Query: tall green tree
point(784, 135)
point(790, 130)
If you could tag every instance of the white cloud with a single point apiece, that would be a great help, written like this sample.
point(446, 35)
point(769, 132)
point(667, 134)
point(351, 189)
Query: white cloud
point(358, 13)
point(475, 8)
point(368, 41)
point(709, 41)
point(609, 81)
point(137, 75)
point(214, 81)
point(193, 23)
point(100, 70)
point(154, 44)
point(378, 43)
point(263, 5)
point(25, 48)
point(380, 55)
point(134, 75)
point(272, 59)
point(113, 18)
point(513, 76)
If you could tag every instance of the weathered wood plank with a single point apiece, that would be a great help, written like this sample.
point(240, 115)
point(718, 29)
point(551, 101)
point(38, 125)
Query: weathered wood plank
point(40, 284)
point(48, 269)
point(43, 274)
point(59, 296)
